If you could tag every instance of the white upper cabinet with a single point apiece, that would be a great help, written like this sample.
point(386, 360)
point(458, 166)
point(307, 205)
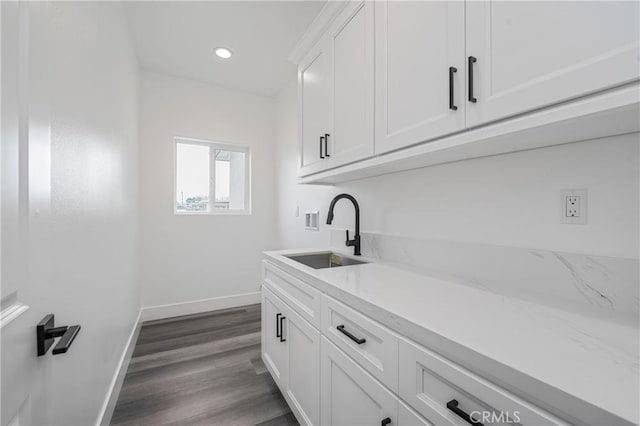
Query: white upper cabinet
point(420, 71)
point(352, 41)
point(387, 76)
point(533, 54)
point(314, 92)
point(335, 89)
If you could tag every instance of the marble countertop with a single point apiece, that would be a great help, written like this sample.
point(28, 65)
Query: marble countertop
point(553, 356)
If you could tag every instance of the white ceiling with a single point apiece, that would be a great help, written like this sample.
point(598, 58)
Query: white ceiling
point(179, 38)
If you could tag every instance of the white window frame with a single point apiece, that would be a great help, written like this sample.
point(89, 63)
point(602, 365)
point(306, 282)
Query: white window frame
point(212, 173)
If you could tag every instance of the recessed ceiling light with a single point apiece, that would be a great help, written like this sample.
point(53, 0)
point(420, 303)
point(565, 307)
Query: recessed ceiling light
point(223, 53)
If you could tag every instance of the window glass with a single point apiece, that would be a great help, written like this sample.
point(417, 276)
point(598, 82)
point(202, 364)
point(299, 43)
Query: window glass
point(230, 180)
point(192, 177)
point(211, 177)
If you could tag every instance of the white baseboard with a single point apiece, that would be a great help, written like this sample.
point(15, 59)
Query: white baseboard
point(150, 313)
point(109, 404)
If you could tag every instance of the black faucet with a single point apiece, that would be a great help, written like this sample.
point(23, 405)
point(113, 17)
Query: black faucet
point(355, 243)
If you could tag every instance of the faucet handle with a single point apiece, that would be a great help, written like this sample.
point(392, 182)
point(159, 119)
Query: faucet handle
point(349, 243)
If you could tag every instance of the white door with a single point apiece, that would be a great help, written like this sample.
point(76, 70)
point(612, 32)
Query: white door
point(352, 46)
point(21, 308)
point(274, 348)
point(314, 108)
point(532, 54)
point(420, 72)
point(349, 395)
point(303, 375)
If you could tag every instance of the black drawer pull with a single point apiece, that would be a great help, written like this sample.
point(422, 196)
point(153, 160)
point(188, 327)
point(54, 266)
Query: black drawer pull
point(321, 140)
point(453, 406)
point(282, 339)
point(472, 60)
point(278, 325)
point(349, 335)
point(452, 71)
point(385, 422)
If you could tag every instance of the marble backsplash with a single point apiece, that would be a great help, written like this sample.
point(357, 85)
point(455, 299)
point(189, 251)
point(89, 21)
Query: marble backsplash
point(604, 285)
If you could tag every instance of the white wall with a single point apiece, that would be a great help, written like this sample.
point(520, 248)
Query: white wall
point(188, 257)
point(289, 196)
point(511, 199)
point(78, 208)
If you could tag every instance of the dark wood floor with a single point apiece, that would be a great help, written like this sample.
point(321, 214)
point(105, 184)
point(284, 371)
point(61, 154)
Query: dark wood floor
point(202, 369)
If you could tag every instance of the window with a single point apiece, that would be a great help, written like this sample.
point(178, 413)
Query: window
point(211, 178)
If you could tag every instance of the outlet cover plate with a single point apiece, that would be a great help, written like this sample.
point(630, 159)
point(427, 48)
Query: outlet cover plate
point(312, 220)
point(573, 206)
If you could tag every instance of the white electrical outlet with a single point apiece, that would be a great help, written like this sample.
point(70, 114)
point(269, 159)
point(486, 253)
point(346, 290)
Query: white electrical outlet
point(573, 206)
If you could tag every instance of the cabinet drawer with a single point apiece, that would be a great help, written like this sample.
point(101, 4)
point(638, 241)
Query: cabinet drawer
point(377, 351)
point(429, 382)
point(302, 298)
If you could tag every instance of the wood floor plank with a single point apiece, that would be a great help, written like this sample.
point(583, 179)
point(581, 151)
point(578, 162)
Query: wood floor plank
point(202, 369)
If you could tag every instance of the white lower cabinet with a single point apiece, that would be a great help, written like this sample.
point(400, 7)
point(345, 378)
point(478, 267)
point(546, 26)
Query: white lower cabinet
point(350, 396)
point(372, 346)
point(291, 352)
point(303, 375)
point(274, 352)
point(408, 417)
point(448, 394)
point(354, 371)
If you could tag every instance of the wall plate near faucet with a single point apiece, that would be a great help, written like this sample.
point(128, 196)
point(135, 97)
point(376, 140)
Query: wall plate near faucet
point(311, 220)
point(573, 206)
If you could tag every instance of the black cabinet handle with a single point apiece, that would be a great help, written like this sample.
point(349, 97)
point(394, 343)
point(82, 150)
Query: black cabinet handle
point(349, 335)
point(385, 422)
point(452, 71)
point(453, 406)
point(472, 60)
point(282, 339)
point(321, 140)
point(326, 145)
point(278, 332)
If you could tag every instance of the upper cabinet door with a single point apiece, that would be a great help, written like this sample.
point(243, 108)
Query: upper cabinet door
point(533, 54)
point(351, 37)
point(314, 108)
point(420, 71)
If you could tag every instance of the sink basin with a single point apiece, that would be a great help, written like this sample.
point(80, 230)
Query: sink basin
point(324, 260)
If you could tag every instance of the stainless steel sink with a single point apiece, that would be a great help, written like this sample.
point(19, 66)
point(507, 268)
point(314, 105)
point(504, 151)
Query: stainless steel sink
point(324, 260)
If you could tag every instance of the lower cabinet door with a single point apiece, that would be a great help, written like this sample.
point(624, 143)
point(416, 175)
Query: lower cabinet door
point(408, 417)
point(303, 375)
point(274, 347)
point(350, 396)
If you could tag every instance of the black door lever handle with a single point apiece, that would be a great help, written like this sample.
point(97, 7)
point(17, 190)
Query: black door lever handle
point(46, 333)
point(67, 339)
